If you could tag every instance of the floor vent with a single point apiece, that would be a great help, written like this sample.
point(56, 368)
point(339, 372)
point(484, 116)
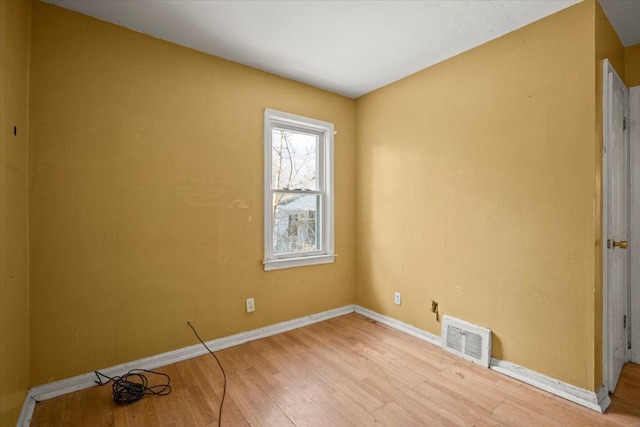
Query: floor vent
point(466, 340)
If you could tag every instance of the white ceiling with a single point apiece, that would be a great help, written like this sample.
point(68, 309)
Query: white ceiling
point(348, 47)
point(624, 15)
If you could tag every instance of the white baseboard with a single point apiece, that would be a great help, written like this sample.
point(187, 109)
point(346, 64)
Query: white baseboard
point(596, 401)
point(27, 411)
point(603, 398)
point(401, 326)
point(79, 382)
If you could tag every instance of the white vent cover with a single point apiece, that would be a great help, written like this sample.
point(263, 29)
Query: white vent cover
point(466, 340)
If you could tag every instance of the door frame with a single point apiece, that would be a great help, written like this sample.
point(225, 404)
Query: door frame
point(606, 69)
point(634, 221)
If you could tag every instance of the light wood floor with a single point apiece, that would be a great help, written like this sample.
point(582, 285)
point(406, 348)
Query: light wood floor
point(341, 372)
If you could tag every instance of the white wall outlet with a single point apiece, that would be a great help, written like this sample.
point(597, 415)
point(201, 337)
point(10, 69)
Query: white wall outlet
point(251, 306)
point(397, 299)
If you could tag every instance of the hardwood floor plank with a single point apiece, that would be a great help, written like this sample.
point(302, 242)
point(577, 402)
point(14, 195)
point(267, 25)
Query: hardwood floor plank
point(473, 394)
point(344, 410)
point(410, 401)
point(509, 414)
point(346, 371)
point(292, 400)
point(393, 414)
point(376, 358)
point(339, 375)
point(454, 406)
point(625, 412)
point(205, 397)
point(256, 406)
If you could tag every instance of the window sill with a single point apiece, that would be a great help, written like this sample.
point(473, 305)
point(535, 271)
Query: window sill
point(277, 264)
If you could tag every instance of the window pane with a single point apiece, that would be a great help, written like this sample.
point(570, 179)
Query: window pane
point(293, 160)
point(295, 225)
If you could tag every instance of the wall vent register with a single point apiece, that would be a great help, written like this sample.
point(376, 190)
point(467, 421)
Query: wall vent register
point(466, 340)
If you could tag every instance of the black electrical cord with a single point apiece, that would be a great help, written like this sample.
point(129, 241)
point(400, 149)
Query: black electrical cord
point(224, 376)
point(133, 385)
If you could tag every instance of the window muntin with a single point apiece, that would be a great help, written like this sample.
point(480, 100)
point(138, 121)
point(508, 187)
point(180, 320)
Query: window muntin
point(298, 191)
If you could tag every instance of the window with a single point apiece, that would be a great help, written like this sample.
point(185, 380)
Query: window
point(298, 191)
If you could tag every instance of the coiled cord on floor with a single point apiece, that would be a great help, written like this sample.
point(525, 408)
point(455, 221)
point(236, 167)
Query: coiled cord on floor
point(133, 385)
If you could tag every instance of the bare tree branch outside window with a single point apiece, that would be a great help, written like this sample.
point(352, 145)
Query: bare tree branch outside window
point(294, 167)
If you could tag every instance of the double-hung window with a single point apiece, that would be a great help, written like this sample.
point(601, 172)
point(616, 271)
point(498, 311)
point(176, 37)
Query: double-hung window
point(298, 191)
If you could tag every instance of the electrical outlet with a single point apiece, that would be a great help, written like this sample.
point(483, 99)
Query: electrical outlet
point(397, 299)
point(251, 306)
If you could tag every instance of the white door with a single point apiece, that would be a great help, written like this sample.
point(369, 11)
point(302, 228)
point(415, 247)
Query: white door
point(634, 222)
point(616, 159)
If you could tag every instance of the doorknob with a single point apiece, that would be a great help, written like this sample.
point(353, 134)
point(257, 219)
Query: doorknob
point(622, 244)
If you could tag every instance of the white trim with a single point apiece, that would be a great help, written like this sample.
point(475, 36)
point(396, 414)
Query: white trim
point(79, 382)
point(602, 395)
point(634, 223)
point(597, 401)
point(605, 220)
point(278, 264)
point(27, 411)
point(326, 132)
point(400, 326)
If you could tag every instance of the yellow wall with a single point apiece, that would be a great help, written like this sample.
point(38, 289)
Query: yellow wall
point(476, 187)
point(146, 201)
point(607, 46)
point(632, 65)
point(14, 239)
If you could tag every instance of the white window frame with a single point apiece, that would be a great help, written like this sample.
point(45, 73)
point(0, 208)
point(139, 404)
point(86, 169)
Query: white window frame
point(325, 255)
